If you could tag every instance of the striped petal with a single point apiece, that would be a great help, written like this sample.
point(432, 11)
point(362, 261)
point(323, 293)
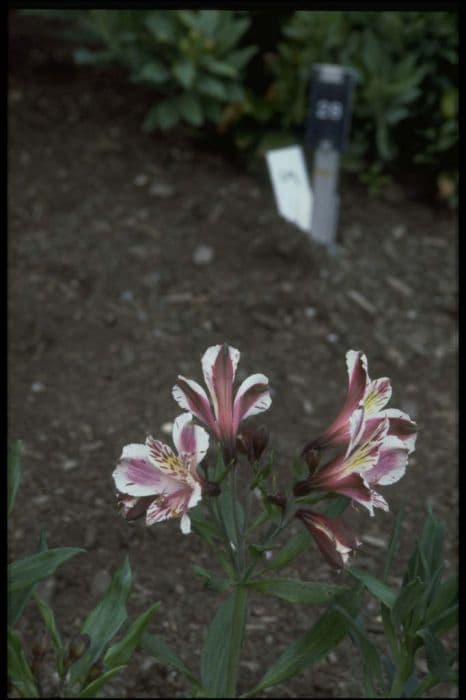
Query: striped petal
point(189, 439)
point(191, 396)
point(166, 461)
point(137, 475)
point(391, 465)
point(364, 457)
point(401, 426)
point(358, 380)
point(252, 397)
point(219, 364)
point(377, 395)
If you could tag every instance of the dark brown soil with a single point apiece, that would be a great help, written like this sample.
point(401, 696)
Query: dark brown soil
point(107, 305)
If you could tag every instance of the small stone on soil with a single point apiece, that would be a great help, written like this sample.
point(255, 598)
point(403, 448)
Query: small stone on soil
point(203, 255)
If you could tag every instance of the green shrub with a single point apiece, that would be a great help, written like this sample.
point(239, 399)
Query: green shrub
point(405, 102)
point(191, 57)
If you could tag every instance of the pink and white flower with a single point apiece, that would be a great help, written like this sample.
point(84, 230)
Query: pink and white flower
point(372, 395)
point(223, 413)
point(333, 537)
point(152, 479)
point(371, 458)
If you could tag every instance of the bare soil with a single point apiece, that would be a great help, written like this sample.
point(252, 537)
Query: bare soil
point(108, 302)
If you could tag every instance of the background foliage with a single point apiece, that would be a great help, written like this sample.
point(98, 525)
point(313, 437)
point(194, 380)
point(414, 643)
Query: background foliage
point(247, 74)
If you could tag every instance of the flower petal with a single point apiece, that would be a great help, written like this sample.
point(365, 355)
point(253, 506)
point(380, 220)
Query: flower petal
point(185, 524)
point(219, 364)
point(377, 395)
point(363, 458)
point(391, 465)
point(358, 379)
point(401, 425)
point(164, 507)
point(190, 439)
point(252, 397)
point(191, 396)
point(136, 474)
point(132, 508)
point(166, 461)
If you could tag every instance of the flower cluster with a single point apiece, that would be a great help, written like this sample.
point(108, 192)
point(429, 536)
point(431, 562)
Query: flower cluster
point(371, 444)
point(151, 479)
point(375, 442)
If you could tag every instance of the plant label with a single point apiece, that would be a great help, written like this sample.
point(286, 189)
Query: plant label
point(330, 106)
point(290, 182)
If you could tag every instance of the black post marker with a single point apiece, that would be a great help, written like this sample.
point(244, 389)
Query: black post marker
point(328, 127)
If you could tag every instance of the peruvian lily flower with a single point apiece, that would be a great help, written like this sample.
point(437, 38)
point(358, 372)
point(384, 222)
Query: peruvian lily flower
point(334, 539)
point(152, 479)
point(372, 395)
point(219, 364)
point(371, 459)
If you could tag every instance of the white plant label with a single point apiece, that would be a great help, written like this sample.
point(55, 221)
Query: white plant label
point(293, 194)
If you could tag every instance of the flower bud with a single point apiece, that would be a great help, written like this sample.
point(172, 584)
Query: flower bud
point(302, 488)
point(312, 459)
point(79, 644)
point(252, 442)
point(40, 645)
point(278, 499)
point(95, 671)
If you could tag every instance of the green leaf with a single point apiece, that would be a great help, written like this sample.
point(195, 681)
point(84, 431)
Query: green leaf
point(161, 25)
point(91, 690)
point(190, 108)
point(296, 591)
point(213, 88)
point(211, 582)
point(315, 644)
point(120, 653)
point(17, 601)
point(408, 598)
point(446, 596)
point(158, 649)
point(14, 473)
point(437, 659)
point(104, 621)
point(370, 656)
point(295, 546)
point(431, 543)
point(225, 506)
point(221, 68)
point(222, 647)
point(377, 588)
point(335, 506)
point(184, 72)
point(153, 72)
point(51, 625)
point(164, 115)
point(445, 620)
point(24, 573)
point(203, 527)
point(18, 668)
point(393, 543)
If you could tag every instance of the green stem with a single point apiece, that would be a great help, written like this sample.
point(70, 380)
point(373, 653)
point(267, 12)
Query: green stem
point(402, 674)
point(424, 686)
point(218, 518)
point(239, 534)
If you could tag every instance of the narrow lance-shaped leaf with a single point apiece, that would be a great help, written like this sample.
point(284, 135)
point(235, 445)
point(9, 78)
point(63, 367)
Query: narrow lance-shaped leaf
point(104, 621)
point(408, 598)
point(120, 653)
point(24, 573)
point(91, 690)
point(314, 645)
point(18, 668)
point(159, 650)
point(17, 601)
point(222, 647)
point(369, 654)
point(393, 543)
point(296, 591)
point(377, 588)
point(295, 546)
point(51, 625)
